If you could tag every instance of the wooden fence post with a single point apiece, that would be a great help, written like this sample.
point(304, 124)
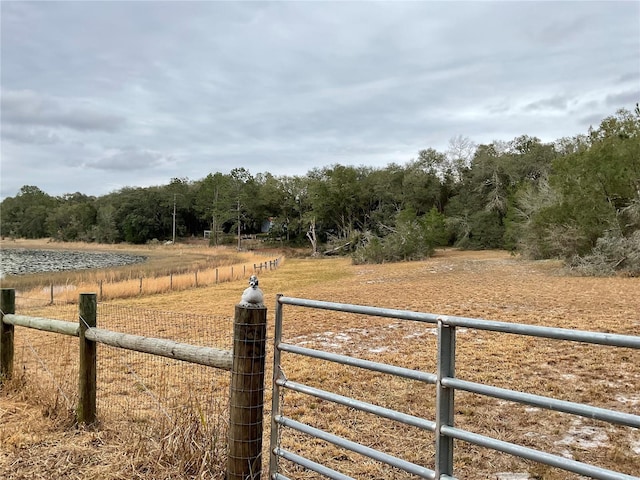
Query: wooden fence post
point(86, 411)
point(7, 306)
point(247, 393)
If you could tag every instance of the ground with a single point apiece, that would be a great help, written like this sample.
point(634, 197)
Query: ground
point(491, 285)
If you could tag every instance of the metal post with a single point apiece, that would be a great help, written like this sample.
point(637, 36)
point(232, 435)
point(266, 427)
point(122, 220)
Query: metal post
point(275, 394)
point(246, 404)
point(7, 306)
point(173, 239)
point(445, 398)
point(86, 411)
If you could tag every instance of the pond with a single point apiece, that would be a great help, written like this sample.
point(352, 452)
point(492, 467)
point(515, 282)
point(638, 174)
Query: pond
point(21, 261)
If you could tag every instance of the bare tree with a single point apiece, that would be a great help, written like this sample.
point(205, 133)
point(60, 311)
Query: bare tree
point(311, 235)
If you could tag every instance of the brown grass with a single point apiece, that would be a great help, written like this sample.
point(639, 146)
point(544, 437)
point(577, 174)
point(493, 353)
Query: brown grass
point(490, 285)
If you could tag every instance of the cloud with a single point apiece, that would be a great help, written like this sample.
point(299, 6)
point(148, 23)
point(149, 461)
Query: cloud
point(591, 120)
point(29, 108)
point(33, 136)
point(557, 102)
point(130, 158)
point(625, 99)
point(629, 77)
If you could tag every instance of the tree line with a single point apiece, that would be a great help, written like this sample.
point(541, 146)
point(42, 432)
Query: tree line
point(576, 198)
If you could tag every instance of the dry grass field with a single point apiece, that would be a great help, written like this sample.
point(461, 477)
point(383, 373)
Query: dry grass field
point(36, 442)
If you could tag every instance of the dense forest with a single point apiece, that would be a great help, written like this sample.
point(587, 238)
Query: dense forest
point(577, 199)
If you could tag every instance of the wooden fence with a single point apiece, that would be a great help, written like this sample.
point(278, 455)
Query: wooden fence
point(217, 276)
point(246, 362)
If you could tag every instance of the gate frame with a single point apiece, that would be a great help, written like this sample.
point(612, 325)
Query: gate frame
point(446, 384)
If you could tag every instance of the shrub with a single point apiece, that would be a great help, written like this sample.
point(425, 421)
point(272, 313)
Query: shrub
point(613, 253)
point(412, 239)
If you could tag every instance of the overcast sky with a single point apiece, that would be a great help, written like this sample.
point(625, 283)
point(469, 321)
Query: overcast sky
point(101, 95)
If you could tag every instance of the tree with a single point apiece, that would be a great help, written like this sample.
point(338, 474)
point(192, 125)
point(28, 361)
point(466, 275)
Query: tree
point(213, 201)
point(241, 183)
point(422, 188)
point(595, 190)
point(338, 199)
point(459, 155)
point(26, 214)
point(73, 219)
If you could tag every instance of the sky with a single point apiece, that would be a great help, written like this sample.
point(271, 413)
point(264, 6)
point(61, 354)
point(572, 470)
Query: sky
point(97, 96)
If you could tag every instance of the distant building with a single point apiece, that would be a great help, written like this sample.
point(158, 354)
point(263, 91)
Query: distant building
point(267, 225)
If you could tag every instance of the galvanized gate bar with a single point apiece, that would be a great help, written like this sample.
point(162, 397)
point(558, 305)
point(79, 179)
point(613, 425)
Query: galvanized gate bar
point(275, 393)
point(611, 339)
point(358, 362)
point(309, 465)
point(583, 336)
point(361, 309)
point(409, 467)
point(583, 410)
point(358, 405)
point(278, 476)
point(445, 398)
point(536, 455)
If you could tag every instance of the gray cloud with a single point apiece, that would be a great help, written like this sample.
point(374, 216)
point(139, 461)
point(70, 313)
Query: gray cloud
point(623, 99)
point(29, 136)
point(130, 158)
point(557, 102)
point(633, 77)
point(197, 87)
point(591, 120)
point(25, 107)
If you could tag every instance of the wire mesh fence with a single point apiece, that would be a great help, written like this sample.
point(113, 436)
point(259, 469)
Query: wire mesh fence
point(135, 389)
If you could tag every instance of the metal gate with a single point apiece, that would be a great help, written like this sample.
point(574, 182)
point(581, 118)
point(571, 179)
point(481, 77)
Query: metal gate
point(446, 383)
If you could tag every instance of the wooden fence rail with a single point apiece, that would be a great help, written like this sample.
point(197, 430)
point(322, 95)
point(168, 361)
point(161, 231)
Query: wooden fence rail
point(246, 362)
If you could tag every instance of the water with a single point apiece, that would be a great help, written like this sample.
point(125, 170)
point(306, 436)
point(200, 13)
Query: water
point(21, 261)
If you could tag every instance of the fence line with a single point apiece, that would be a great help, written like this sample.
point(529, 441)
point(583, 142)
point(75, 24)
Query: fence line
point(194, 279)
point(245, 362)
